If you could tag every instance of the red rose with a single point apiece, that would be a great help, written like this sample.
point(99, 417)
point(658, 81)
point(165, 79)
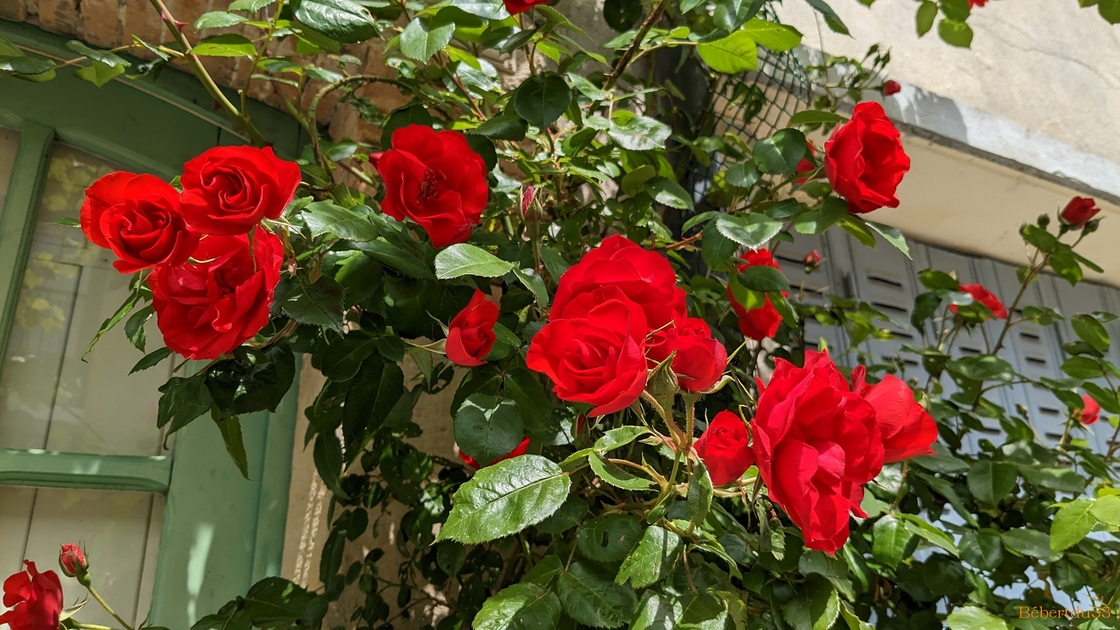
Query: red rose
point(816, 443)
point(985, 297)
point(35, 600)
point(890, 88)
point(138, 217)
point(976, 3)
point(760, 322)
point(907, 430)
point(596, 356)
point(724, 449)
point(700, 359)
point(517, 451)
point(435, 179)
point(520, 6)
point(864, 159)
point(812, 260)
point(1091, 412)
point(72, 560)
point(644, 277)
point(471, 333)
point(206, 309)
point(228, 190)
point(1079, 210)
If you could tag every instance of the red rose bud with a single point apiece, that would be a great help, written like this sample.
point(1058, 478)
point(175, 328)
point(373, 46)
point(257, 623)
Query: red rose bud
point(906, 428)
point(520, 6)
point(470, 336)
point(435, 179)
point(985, 297)
point(229, 190)
point(34, 600)
point(1091, 412)
point(760, 322)
point(1079, 210)
point(219, 299)
point(518, 451)
point(890, 88)
point(976, 3)
point(724, 449)
point(699, 361)
point(527, 198)
point(816, 443)
point(72, 560)
point(137, 217)
point(864, 159)
point(812, 260)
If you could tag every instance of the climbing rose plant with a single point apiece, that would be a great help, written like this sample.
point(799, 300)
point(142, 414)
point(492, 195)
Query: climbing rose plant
point(645, 437)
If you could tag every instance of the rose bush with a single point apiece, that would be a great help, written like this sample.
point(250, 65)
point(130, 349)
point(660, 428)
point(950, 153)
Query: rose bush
point(647, 438)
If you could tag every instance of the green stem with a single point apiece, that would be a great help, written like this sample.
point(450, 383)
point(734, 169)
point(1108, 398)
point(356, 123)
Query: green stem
point(107, 608)
point(628, 56)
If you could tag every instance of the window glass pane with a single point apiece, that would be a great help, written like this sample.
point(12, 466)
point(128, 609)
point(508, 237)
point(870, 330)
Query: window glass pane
point(49, 397)
point(120, 530)
point(9, 142)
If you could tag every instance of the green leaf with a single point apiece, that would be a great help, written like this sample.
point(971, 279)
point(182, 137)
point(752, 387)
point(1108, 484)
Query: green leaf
point(982, 549)
point(319, 304)
point(1091, 332)
point(616, 438)
point(815, 607)
point(814, 116)
point(545, 571)
point(1109, 10)
point(591, 597)
point(183, 400)
point(230, 429)
point(622, 15)
point(715, 248)
point(990, 481)
point(505, 126)
point(23, 65)
point(536, 409)
point(276, 602)
point(1106, 509)
point(487, 427)
point(1083, 368)
point(568, 516)
point(731, 55)
point(344, 21)
point(857, 227)
point(890, 540)
point(752, 231)
point(326, 217)
point(955, 33)
point(519, 607)
point(533, 281)
point(608, 539)
point(504, 499)
point(776, 37)
point(670, 193)
point(927, 13)
point(228, 45)
point(329, 461)
point(1028, 542)
point(1072, 523)
point(700, 494)
point(834, 22)
point(542, 98)
point(930, 533)
point(780, 153)
point(982, 367)
point(818, 220)
point(396, 258)
point(104, 56)
point(893, 236)
point(973, 618)
point(653, 558)
point(657, 612)
point(249, 6)
point(151, 360)
point(486, 9)
point(464, 259)
point(99, 73)
point(763, 279)
point(616, 475)
point(124, 309)
point(640, 133)
point(424, 37)
point(217, 19)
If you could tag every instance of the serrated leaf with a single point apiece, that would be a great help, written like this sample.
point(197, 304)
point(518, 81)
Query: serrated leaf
point(776, 37)
point(974, 618)
point(343, 21)
point(733, 54)
point(616, 438)
point(228, 45)
point(150, 360)
point(1106, 509)
point(991, 481)
point(487, 427)
point(814, 116)
point(1071, 524)
point(780, 153)
point(249, 6)
point(670, 193)
point(463, 259)
point(615, 475)
point(955, 33)
point(763, 278)
point(591, 597)
point(424, 37)
point(640, 133)
point(504, 499)
point(752, 231)
point(541, 99)
point(893, 235)
point(653, 558)
point(834, 22)
point(326, 217)
point(519, 607)
point(890, 540)
point(926, 15)
point(1028, 542)
point(217, 19)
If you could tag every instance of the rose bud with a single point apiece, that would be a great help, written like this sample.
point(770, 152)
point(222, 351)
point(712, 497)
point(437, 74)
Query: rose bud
point(1091, 412)
point(72, 560)
point(891, 87)
point(470, 336)
point(1079, 210)
point(812, 261)
point(985, 297)
point(724, 449)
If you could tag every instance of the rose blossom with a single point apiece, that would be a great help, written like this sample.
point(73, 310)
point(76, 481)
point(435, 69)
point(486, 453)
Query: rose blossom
point(1079, 210)
point(906, 428)
point(435, 179)
point(72, 560)
point(644, 277)
point(1091, 412)
point(762, 321)
point(891, 87)
point(700, 359)
point(137, 217)
point(228, 190)
point(35, 600)
point(470, 336)
point(520, 6)
point(985, 297)
point(211, 305)
point(816, 443)
point(597, 355)
point(724, 449)
point(864, 159)
point(517, 451)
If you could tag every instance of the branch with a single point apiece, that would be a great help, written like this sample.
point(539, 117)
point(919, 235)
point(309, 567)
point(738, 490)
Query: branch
point(628, 56)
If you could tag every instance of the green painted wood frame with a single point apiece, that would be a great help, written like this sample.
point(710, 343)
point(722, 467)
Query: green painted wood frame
point(221, 532)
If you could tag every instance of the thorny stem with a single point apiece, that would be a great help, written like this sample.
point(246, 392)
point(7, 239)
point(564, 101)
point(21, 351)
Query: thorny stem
point(207, 81)
point(628, 56)
point(311, 120)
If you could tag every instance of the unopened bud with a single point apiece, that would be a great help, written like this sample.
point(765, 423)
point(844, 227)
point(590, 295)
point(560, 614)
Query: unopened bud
point(72, 560)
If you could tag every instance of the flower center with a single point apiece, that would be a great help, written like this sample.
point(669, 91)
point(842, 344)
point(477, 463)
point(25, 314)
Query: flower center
point(429, 188)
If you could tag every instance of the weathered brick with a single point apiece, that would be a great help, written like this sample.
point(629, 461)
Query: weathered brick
point(13, 10)
point(59, 16)
point(142, 20)
point(100, 22)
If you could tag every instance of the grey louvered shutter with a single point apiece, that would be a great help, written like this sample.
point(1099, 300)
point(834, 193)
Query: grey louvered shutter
point(826, 279)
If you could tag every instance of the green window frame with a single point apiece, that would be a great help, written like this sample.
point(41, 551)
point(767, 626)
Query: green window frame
point(221, 532)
